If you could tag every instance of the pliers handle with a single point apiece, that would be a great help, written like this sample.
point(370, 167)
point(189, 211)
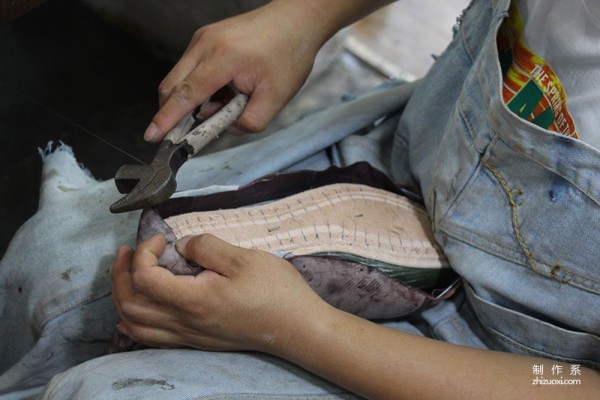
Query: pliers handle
point(148, 185)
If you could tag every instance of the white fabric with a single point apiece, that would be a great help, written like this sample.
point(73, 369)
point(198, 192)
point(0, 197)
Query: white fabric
point(567, 35)
point(55, 281)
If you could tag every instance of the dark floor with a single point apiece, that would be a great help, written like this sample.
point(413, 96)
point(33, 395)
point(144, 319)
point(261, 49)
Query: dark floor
point(65, 74)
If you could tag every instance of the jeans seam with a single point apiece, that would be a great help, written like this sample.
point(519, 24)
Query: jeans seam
point(528, 350)
point(558, 272)
point(514, 343)
point(515, 216)
point(448, 210)
point(487, 249)
point(465, 46)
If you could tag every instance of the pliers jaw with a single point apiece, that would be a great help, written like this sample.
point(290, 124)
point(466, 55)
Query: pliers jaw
point(148, 185)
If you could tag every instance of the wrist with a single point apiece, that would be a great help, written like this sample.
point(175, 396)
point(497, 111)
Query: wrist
point(314, 18)
point(308, 337)
point(296, 328)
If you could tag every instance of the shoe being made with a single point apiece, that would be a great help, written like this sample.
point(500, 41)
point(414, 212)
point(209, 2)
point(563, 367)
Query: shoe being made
point(360, 241)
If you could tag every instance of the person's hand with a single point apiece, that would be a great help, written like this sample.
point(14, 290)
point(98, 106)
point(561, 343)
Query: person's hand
point(243, 300)
point(266, 54)
point(252, 300)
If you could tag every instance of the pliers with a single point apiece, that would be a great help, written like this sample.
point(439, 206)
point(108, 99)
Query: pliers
point(148, 185)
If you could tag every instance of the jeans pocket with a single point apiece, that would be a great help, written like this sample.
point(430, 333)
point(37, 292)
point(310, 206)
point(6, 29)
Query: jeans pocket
point(524, 334)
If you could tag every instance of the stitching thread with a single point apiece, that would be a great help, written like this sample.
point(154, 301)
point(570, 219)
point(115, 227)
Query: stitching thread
point(515, 219)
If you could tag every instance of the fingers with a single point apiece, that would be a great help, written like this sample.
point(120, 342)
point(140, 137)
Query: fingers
point(212, 253)
point(156, 307)
point(188, 62)
point(149, 335)
point(193, 91)
point(149, 251)
point(260, 110)
point(151, 280)
point(192, 81)
point(182, 99)
point(121, 273)
point(257, 52)
point(135, 279)
point(138, 280)
point(240, 293)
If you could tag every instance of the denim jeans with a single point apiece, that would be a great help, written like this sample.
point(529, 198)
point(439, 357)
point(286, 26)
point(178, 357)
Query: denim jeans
point(515, 208)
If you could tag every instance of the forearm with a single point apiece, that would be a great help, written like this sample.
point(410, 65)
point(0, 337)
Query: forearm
point(253, 300)
point(323, 19)
point(266, 53)
point(379, 362)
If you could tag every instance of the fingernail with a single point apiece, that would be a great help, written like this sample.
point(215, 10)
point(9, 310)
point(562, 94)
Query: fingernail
point(151, 132)
point(181, 243)
point(163, 90)
point(122, 249)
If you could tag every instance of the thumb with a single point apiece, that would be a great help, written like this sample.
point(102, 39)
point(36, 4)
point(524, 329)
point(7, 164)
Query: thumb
point(212, 253)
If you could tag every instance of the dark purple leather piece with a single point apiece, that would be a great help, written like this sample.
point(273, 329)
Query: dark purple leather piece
point(362, 290)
